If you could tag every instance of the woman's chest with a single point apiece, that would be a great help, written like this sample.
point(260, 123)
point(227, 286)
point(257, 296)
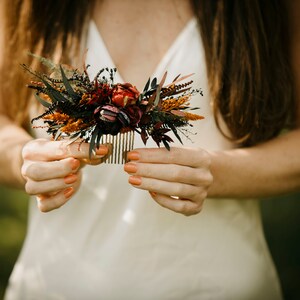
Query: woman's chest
point(137, 34)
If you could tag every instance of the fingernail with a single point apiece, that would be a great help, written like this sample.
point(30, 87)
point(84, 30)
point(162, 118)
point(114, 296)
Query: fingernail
point(153, 194)
point(70, 178)
point(135, 180)
point(68, 192)
point(102, 150)
point(133, 155)
point(75, 163)
point(130, 168)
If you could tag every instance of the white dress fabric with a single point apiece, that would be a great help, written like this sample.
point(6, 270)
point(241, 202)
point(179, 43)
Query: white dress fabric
point(112, 241)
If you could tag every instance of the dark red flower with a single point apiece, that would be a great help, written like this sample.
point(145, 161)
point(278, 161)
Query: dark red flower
point(134, 113)
point(124, 94)
point(100, 94)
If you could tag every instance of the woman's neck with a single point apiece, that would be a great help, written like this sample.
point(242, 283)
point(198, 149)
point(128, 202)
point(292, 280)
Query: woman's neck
point(138, 33)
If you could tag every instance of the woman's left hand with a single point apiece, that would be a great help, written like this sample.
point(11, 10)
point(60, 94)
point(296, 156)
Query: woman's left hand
point(177, 179)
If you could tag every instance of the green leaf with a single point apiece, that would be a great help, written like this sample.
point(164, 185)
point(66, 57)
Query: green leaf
point(55, 95)
point(147, 85)
point(57, 135)
point(154, 83)
point(46, 62)
point(157, 99)
point(42, 101)
point(68, 86)
point(166, 144)
point(98, 139)
point(93, 141)
point(176, 133)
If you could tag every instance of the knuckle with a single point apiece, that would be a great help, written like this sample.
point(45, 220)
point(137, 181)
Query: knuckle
point(178, 190)
point(29, 149)
point(201, 195)
point(43, 208)
point(75, 148)
point(197, 208)
point(177, 173)
point(202, 158)
point(193, 193)
point(149, 184)
point(209, 179)
point(62, 149)
point(26, 152)
point(199, 176)
point(203, 177)
point(24, 171)
point(172, 155)
point(34, 171)
point(179, 207)
point(197, 194)
point(206, 159)
point(30, 188)
point(188, 191)
point(183, 207)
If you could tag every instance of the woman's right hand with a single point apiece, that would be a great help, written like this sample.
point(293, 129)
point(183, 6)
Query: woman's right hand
point(52, 170)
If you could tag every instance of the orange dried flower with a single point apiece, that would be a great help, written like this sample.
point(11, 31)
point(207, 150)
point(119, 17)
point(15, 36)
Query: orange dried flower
point(192, 117)
point(175, 103)
point(58, 117)
point(74, 126)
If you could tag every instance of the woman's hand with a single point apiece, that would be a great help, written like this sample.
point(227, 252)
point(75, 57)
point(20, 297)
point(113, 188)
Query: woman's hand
point(52, 170)
point(178, 179)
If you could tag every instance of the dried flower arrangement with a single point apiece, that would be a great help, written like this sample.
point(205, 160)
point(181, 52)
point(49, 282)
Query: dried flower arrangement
point(80, 108)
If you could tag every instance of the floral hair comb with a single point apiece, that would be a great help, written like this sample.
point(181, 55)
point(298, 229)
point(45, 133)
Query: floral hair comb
point(101, 111)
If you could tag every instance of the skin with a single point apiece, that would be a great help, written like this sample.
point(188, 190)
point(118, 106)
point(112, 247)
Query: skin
point(52, 170)
point(190, 174)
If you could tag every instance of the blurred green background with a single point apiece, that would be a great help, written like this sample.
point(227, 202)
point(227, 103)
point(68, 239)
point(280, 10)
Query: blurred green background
point(281, 220)
point(13, 219)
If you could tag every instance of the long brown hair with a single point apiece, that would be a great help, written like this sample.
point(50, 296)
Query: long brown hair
point(246, 54)
point(49, 28)
point(246, 47)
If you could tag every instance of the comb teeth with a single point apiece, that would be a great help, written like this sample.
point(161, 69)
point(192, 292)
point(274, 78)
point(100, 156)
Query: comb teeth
point(121, 144)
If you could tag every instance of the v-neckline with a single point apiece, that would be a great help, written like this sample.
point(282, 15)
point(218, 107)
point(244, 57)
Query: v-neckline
point(160, 66)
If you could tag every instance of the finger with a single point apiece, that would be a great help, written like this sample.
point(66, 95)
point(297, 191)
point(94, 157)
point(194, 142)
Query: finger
point(49, 186)
point(45, 150)
point(92, 162)
point(96, 161)
point(48, 203)
point(171, 172)
point(40, 170)
point(184, 207)
point(193, 157)
point(167, 188)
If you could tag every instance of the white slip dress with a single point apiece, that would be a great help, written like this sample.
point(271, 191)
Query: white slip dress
point(112, 241)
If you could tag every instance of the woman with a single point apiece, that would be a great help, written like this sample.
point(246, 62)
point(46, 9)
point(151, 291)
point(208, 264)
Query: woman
point(110, 241)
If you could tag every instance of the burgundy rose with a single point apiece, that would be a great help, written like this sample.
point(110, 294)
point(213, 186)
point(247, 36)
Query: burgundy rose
point(124, 94)
point(134, 113)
